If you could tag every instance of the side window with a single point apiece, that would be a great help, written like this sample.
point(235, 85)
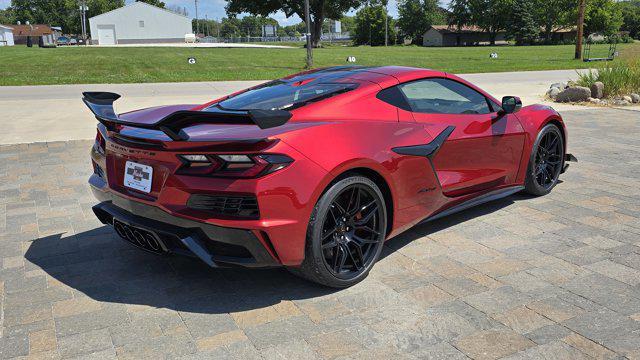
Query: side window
point(394, 96)
point(443, 96)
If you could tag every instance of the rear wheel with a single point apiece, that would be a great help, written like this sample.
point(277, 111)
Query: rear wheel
point(346, 233)
point(546, 161)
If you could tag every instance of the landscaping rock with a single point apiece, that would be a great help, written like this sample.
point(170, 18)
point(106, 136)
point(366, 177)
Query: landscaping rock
point(597, 90)
point(635, 98)
point(627, 99)
point(574, 94)
point(561, 86)
point(553, 92)
point(594, 101)
point(620, 102)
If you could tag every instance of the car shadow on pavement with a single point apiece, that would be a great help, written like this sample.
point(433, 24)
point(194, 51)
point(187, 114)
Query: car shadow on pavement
point(104, 267)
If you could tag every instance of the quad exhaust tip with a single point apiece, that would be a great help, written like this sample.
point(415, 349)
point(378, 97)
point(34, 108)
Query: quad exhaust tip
point(138, 237)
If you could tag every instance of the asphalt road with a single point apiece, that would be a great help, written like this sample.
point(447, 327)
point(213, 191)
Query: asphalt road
point(56, 113)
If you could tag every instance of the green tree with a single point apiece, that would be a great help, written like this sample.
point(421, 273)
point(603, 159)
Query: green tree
point(207, 27)
point(522, 26)
point(603, 16)
point(369, 25)
point(491, 16)
point(631, 17)
point(230, 27)
point(415, 17)
point(552, 15)
point(64, 13)
point(348, 23)
point(157, 3)
point(7, 17)
point(293, 30)
point(319, 10)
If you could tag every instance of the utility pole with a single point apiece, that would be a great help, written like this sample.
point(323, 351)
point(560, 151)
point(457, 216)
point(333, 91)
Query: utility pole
point(83, 19)
point(197, 22)
point(386, 25)
point(580, 32)
point(307, 20)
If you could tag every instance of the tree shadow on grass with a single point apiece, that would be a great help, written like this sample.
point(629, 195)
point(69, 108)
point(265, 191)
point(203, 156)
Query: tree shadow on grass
point(100, 265)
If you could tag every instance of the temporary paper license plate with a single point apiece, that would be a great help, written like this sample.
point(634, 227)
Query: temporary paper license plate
point(138, 176)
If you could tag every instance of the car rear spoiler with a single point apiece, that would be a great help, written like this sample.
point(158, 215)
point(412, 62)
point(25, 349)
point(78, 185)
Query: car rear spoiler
point(101, 104)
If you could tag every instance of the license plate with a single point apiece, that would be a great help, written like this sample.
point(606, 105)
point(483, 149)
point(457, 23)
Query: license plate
point(138, 176)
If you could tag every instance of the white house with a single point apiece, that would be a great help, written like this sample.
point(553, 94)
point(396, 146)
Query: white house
point(6, 36)
point(138, 23)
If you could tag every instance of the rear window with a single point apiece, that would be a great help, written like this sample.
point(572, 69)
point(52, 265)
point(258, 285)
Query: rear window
point(280, 95)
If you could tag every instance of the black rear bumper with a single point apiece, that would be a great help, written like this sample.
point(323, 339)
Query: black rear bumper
point(217, 246)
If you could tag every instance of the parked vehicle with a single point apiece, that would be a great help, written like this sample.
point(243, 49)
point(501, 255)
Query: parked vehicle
point(62, 40)
point(73, 41)
point(316, 170)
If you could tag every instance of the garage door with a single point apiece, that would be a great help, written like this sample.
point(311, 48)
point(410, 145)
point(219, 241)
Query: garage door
point(106, 34)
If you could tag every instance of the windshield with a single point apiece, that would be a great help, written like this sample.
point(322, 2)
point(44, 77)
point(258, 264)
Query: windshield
point(280, 95)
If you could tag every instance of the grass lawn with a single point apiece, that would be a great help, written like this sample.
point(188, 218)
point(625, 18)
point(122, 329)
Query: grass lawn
point(78, 65)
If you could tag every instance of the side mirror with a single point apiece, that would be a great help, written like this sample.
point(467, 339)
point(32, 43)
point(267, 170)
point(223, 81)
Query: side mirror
point(511, 104)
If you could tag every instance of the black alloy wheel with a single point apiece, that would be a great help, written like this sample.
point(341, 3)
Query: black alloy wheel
point(546, 162)
point(351, 232)
point(346, 233)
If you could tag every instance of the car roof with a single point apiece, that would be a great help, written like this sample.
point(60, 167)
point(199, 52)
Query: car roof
point(376, 74)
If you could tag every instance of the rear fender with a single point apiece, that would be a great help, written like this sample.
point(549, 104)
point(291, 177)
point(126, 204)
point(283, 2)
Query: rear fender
point(410, 179)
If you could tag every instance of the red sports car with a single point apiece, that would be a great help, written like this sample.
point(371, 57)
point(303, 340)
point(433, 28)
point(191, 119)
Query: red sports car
point(316, 170)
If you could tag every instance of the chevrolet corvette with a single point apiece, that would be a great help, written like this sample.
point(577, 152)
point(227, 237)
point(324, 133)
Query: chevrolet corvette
point(315, 171)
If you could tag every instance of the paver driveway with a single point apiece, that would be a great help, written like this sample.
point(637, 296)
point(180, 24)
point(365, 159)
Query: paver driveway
point(550, 277)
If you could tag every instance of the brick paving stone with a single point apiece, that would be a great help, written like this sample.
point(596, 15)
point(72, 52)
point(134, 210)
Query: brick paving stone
point(334, 344)
point(429, 295)
point(522, 320)
point(588, 347)
point(550, 277)
point(14, 346)
point(548, 334)
point(553, 350)
point(281, 331)
point(497, 300)
point(555, 309)
point(173, 346)
point(84, 343)
point(95, 320)
point(295, 349)
point(616, 271)
point(492, 344)
point(219, 340)
point(42, 341)
point(602, 325)
point(441, 351)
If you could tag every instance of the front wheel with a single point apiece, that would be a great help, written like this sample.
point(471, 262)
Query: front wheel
point(346, 233)
point(546, 161)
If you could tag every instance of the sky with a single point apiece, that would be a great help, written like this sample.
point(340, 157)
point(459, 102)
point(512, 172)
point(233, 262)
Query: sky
point(214, 9)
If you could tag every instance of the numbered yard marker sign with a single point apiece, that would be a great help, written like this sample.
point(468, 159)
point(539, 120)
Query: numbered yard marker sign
point(351, 59)
point(191, 60)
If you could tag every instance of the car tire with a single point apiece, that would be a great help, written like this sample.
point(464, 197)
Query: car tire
point(546, 161)
point(325, 229)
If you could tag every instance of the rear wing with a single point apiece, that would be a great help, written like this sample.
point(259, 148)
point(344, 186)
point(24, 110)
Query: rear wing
point(101, 105)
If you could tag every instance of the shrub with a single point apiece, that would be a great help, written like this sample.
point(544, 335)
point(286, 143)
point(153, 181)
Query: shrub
point(619, 78)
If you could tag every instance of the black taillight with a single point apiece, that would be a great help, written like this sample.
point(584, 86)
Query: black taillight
point(233, 165)
point(100, 144)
